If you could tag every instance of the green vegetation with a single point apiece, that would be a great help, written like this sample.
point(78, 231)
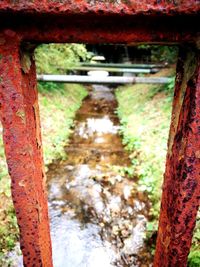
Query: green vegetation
point(194, 256)
point(8, 224)
point(58, 104)
point(57, 58)
point(162, 53)
point(144, 112)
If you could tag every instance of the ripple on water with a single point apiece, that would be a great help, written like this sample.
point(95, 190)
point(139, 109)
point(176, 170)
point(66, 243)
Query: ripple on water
point(97, 218)
point(77, 245)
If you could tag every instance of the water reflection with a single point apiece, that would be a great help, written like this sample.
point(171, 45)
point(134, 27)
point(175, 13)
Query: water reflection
point(100, 126)
point(75, 245)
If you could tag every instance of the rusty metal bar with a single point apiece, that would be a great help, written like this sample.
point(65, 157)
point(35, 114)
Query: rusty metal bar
point(181, 188)
point(101, 80)
point(19, 115)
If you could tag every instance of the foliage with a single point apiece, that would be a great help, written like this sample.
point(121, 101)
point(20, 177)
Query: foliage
point(149, 107)
point(57, 58)
point(50, 87)
point(8, 225)
point(3, 166)
point(194, 256)
point(58, 104)
point(9, 233)
point(162, 53)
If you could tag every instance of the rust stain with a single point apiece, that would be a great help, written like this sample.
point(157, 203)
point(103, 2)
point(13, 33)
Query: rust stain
point(181, 189)
point(25, 163)
point(104, 6)
point(114, 21)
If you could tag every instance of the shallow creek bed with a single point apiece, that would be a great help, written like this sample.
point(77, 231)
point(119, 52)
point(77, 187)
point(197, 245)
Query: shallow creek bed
point(97, 215)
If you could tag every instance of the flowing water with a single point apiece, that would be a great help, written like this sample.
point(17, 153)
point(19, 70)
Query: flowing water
point(98, 217)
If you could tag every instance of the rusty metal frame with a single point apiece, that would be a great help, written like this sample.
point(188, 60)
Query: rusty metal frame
point(24, 24)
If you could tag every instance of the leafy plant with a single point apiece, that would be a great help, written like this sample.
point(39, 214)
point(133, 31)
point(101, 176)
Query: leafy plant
point(162, 53)
point(194, 256)
point(58, 58)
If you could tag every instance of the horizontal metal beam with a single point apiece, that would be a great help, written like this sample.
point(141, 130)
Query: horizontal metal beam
point(101, 80)
point(124, 65)
point(116, 69)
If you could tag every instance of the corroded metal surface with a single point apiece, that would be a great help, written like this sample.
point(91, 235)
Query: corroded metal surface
point(102, 6)
point(113, 21)
point(20, 118)
point(181, 189)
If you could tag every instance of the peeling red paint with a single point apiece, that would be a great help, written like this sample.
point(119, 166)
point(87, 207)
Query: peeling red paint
point(22, 140)
point(181, 189)
point(96, 21)
point(113, 21)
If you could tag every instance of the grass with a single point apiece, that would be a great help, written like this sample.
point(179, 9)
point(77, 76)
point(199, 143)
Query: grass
point(194, 256)
point(57, 113)
point(145, 113)
point(58, 105)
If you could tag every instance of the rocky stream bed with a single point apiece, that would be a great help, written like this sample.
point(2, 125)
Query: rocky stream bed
point(98, 218)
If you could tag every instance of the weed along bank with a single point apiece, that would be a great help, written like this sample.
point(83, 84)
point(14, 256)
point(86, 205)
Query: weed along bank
point(24, 24)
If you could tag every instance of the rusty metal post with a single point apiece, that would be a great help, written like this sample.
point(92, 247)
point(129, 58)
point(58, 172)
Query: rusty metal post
point(22, 140)
point(181, 189)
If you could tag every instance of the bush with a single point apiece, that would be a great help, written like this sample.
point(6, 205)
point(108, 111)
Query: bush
point(58, 58)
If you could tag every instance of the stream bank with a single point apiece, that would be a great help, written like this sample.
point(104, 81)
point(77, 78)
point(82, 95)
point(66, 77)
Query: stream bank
point(95, 212)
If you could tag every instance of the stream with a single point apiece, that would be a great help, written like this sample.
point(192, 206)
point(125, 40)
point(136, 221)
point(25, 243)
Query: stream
point(97, 216)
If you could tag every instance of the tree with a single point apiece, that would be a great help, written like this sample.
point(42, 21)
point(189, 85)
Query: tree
point(58, 58)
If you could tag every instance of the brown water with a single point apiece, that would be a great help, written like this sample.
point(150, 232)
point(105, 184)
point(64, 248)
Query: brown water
point(98, 217)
